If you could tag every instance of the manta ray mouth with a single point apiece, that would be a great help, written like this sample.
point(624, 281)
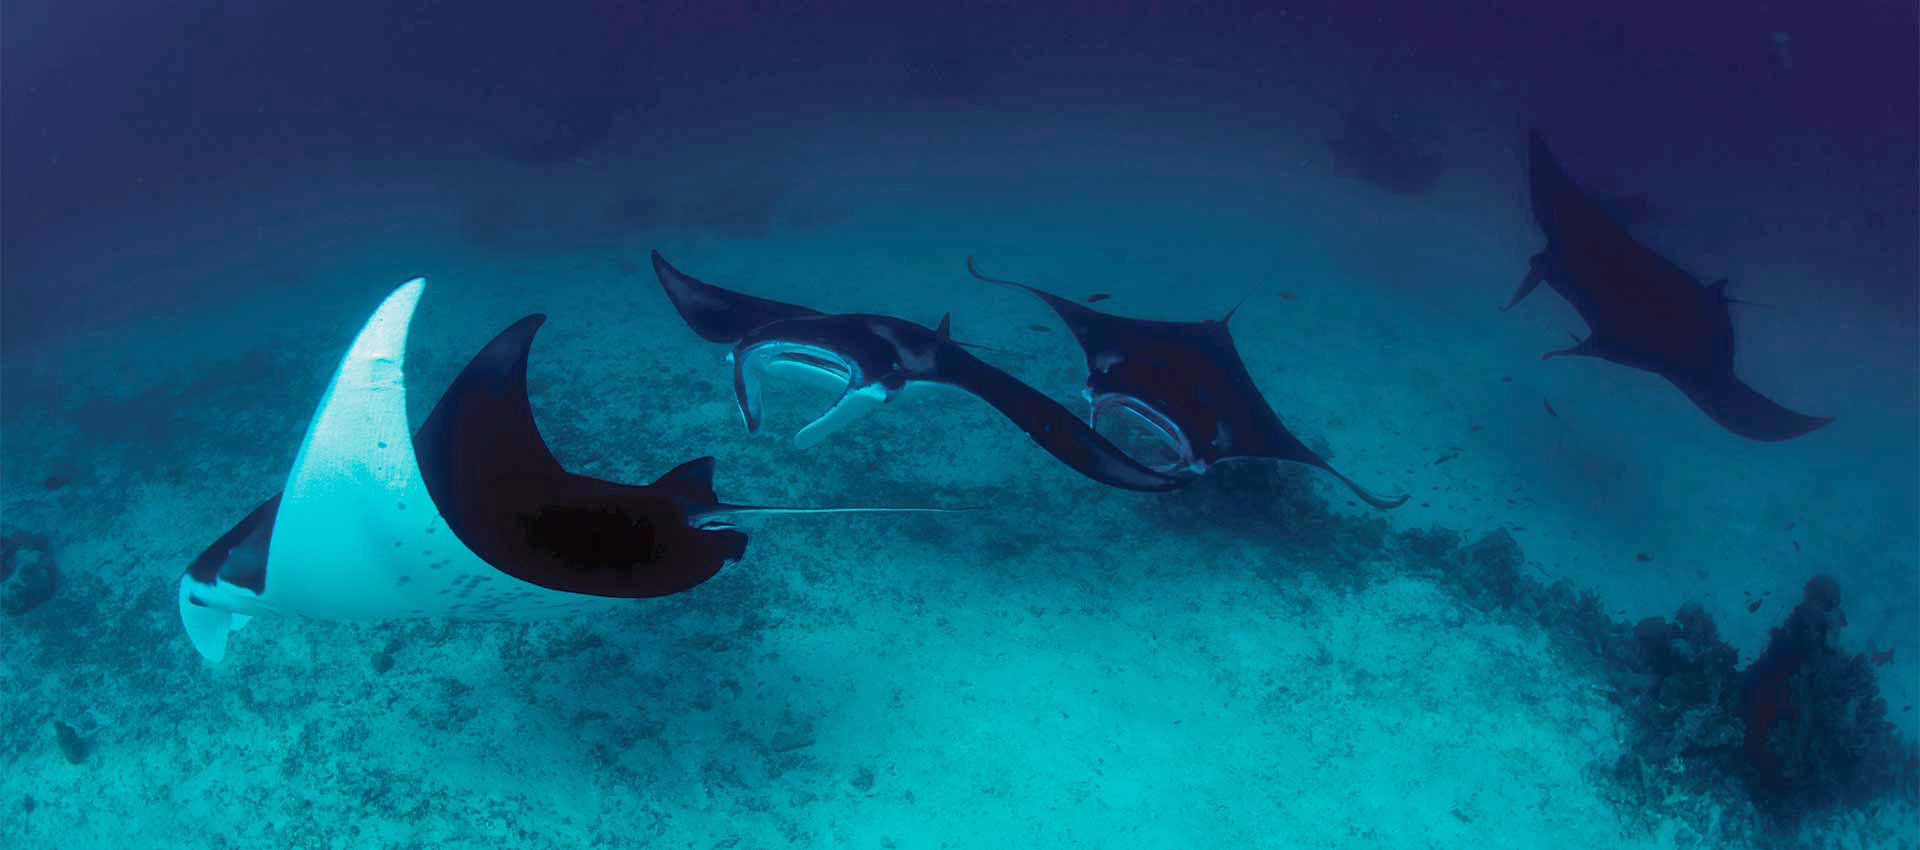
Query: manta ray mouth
point(857, 397)
point(1159, 427)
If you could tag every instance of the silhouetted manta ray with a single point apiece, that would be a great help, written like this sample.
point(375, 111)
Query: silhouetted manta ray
point(1187, 383)
point(875, 359)
point(471, 517)
point(1642, 310)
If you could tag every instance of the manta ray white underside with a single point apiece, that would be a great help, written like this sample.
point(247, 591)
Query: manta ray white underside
point(357, 537)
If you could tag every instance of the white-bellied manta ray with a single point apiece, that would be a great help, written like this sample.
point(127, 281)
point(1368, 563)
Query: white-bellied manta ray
point(874, 359)
point(1186, 382)
point(1641, 309)
point(469, 518)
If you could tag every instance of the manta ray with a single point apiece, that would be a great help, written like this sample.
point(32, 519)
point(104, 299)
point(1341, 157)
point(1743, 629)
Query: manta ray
point(1186, 383)
point(471, 517)
point(1641, 309)
point(875, 359)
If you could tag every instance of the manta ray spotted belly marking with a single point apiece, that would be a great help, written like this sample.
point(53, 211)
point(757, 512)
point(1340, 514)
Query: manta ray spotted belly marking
point(876, 359)
point(1641, 309)
point(1186, 382)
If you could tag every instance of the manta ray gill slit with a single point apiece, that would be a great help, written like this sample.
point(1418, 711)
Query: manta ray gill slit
point(1144, 433)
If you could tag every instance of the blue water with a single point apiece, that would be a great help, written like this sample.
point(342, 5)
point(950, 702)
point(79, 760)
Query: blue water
point(200, 205)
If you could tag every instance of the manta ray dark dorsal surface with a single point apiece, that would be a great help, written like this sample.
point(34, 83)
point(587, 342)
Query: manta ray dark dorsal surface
point(508, 499)
point(716, 314)
point(883, 354)
point(879, 356)
point(1187, 380)
point(1642, 310)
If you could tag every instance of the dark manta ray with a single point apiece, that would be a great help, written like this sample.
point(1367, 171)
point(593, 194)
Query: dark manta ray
point(878, 358)
point(508, 499)
point(1642, 310)
point(470, 517)
point(1186, 382)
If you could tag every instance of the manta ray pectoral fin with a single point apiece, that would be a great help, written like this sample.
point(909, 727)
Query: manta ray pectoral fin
point(207, 627)
point(1580, 348)
point(310, 546)
point(1737, 407)
point(1536, 274)
point(355, 469)
point(716, 314)
point(853, 404)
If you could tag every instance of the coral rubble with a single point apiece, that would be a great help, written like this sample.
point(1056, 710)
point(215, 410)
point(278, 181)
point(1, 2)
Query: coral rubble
point(28, 576)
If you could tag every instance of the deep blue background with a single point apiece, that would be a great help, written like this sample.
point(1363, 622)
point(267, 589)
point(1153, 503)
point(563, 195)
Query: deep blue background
point(128, 109)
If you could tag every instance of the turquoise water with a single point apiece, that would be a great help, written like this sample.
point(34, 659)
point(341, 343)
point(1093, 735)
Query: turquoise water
point(1256, 660)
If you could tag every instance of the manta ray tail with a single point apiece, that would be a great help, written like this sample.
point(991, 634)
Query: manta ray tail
point(1236, 308)
point(1728, 401)
point(1719, 289)
point(1371, 498)
point(1359, 492)
point(693, 485)
point(723, 514)
point(974, 270)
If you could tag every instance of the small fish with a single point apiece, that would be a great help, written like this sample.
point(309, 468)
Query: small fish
point(1097, 297)
point(1789, 525)
point(1796, 545)
point(1288, 296)
point(1642, 557)
point(1506, 379)
point(1882, 657)
point(1550, 411)
point(54, 482)
point(1040, 328)
point(1754, 605)
point(1475, 427)
point(1447, 457)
